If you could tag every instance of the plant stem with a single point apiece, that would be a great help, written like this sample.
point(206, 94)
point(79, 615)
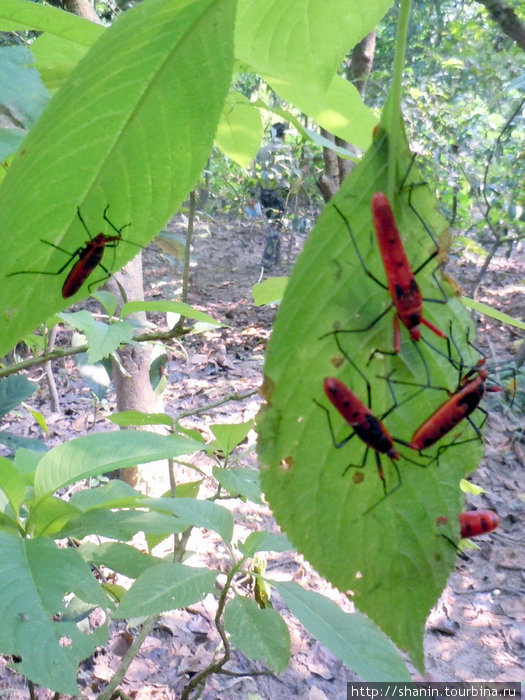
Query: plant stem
point(187, 256)
point(200, 678)
point(128, 658)
point(393, 106)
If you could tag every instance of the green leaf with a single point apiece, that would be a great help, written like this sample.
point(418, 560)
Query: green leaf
point(163, 587)
point(468, 487)
point(15, 442)
point(108, 301)
point(264, 542)
point(50, 515)
point(127, 418)
point(37, 576)
point(12, 484)
point(121, 524)
point(114, 494)
point(38, 417)
point(177, 307)
point(97, 454)
point(95, 375)
point(353, 638)
point(188, 490)
point(229, 435)
point(119, 557)
point(339, 109)
point(148, 110)
point(26, 462)
point(240, 481)
point(14, 390)
point(240, 131)
point(102, 338)
point(308, 43)
point(22, 96)
point(198, 513)
point(270, 291)
point(15, 15)
point(376, 547)
point(262, 635)
point(493, 313)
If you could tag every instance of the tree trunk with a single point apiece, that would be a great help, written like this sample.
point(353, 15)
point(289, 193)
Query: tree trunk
point(131, 373)
point(507, 19)
point(357, 71)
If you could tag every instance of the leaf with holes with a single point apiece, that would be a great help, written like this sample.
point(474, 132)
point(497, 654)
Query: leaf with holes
point(385, 550)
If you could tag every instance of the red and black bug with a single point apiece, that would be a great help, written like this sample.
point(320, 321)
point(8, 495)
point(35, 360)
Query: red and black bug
point(407, 299)
point(472, 523)
point(457, 407)
point(89, 257)
point(368, 427)
point(477, 522)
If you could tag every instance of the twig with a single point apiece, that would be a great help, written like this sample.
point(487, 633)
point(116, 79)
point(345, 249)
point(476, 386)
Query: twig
point(51, 384)
point(57, 354)
point(200, 678)
point(204, 409)
point(240, 674)
point(187, 256)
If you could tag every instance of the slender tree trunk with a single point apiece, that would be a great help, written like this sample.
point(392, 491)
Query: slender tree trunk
point(509, 22)
point(357, 72)
point(131, 371)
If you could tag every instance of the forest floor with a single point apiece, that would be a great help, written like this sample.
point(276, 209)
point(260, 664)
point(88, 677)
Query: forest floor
point(477, 629)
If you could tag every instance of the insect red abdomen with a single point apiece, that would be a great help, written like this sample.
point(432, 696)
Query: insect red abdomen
point(478, 522)
point(88, 259)
point(448, 415)
point(402, 285)
point(367, 427)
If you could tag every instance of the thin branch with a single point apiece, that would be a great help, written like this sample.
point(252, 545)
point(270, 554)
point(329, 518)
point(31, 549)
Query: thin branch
point(68, 352)
point(200, 678)
point(187, 257)
point(204, 409)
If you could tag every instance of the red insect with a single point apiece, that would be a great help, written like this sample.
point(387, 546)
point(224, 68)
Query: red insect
point(365, 424)
point(457, 407)
point(401, 283)
point(89, 257)
point(478, 522)
point(404, 290)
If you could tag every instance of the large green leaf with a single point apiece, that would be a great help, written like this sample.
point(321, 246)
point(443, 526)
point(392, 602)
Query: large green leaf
point(92, 455)
point(240, 130)
point(117, 556)
point(102, 338)
point(351, 637)
point(165, 587)
point(121, 524)
point(339, 109)
point(36, 578)
point(22, 96)
point(198, 513)
point(387, 552)
point(131, 127)
point(303, 42)
point(261, 634)
point(14, 390)
point(12, 484)
point(298, 46)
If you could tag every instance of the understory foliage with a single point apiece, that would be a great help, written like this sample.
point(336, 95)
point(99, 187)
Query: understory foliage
point(175, 96)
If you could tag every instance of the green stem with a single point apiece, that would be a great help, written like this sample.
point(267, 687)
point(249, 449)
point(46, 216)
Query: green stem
point(128, 657)
point(393, 106)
